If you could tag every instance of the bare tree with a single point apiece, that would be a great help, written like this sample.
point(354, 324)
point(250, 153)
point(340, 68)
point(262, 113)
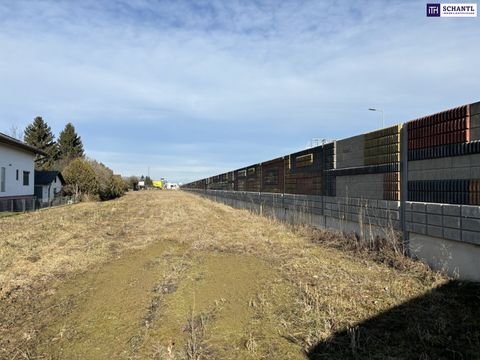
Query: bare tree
point(15, 132)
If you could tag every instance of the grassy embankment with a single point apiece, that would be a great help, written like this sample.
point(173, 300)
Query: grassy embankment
point(169, 275)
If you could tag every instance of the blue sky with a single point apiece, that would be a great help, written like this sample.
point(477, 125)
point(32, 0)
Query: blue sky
point(190, 89)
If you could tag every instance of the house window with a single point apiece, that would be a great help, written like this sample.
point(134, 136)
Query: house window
point(26, 178)
point(2, 179)
point(17, 175)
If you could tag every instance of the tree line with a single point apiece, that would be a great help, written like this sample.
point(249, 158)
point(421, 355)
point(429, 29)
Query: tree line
point(85, 178)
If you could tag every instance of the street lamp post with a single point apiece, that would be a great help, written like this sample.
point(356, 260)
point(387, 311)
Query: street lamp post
point(379, 110)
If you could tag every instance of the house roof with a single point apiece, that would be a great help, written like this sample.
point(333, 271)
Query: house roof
point(47, 177)
point(5, 139)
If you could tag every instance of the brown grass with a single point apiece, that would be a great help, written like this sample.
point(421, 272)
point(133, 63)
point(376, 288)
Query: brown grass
point(315, 283)
point(41, 246)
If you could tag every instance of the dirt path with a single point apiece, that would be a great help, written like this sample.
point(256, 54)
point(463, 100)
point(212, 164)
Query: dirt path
point(164, 300)
point(166, 275)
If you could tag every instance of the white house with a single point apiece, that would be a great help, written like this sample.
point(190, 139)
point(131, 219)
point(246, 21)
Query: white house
point(48, 184)
point(17, 166)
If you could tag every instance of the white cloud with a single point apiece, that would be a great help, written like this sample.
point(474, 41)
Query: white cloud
point(280, 72)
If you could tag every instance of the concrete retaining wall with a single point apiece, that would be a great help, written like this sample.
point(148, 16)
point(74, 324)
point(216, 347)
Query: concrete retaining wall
point(446, 236)
point(368, 218)
point(406, 178)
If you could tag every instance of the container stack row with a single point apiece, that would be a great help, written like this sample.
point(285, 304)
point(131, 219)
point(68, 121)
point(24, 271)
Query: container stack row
point(442, 158)
point(368, 165)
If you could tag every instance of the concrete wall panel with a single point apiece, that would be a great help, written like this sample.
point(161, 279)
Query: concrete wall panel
point(360, 186)
point(350, 152)
point(455, 258)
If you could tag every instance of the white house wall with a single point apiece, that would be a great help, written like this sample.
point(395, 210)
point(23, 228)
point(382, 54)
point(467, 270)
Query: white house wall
point(54, 187)
point(45, 193)
point(13, 159)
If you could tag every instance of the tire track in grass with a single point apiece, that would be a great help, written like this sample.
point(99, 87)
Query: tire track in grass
point(110, 308)
point(224, 308)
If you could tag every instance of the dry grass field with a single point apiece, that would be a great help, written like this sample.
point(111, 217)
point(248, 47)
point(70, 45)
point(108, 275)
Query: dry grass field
point(169, 275)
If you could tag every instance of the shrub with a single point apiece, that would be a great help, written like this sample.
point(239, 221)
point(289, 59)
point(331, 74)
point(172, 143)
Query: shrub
point(110, 186)
point(80, 179)
point(89, 178)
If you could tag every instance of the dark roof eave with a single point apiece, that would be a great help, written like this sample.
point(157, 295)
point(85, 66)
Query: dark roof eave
point(62, 180)
point(5, 139)
point(47, 177)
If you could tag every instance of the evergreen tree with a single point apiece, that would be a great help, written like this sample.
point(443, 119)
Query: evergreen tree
point(70, 144)
point(40, 135)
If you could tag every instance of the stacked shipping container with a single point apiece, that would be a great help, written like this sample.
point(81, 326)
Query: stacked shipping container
point(273, 176)
point(445, 135)
point(304, 172)
point(383, 147)
point(368, 165)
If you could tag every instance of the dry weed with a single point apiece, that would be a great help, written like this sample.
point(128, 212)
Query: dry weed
point(335, 279)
